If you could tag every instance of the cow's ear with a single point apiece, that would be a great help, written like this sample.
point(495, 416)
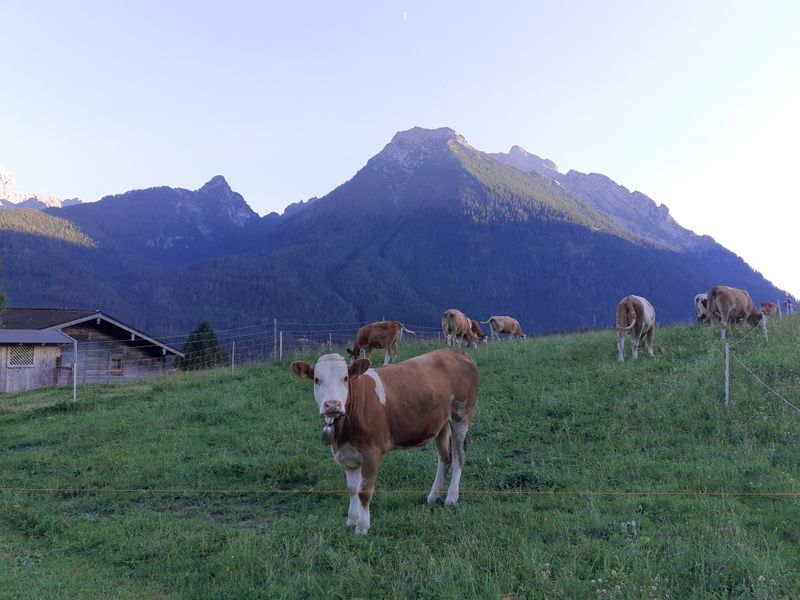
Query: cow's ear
point(359, 367)
point(302, 370)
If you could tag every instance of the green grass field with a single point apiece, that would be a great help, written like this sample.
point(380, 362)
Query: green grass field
point(585, 478)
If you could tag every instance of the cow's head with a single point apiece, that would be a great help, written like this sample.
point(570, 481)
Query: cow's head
point(330, 376)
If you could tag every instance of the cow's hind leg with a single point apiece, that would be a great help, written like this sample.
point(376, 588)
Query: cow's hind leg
point(621, 345)
point(442, 464)
point(648, 341)
point(635, 341)
point(459, 425)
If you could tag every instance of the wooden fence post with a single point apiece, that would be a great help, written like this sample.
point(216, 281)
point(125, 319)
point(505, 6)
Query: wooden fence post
point(727, 374)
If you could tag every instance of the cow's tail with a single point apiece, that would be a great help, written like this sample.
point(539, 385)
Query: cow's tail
point(484, 322)
point(406, 329)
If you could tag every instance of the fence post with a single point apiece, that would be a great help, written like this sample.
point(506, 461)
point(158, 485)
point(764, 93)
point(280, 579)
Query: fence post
point(330, 341)
point(74, 370)
point(280, 355)
point(727, 373)
point(233, 353)
point(274, 337)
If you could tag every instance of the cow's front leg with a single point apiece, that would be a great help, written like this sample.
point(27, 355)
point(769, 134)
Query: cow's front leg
point(353, 486)
point(369, 472)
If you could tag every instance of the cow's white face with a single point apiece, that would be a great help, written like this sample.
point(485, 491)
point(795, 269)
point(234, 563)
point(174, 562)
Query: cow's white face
point(330, 385)
point(331, 376)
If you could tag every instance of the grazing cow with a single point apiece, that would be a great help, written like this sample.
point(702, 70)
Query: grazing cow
point(507, 325)
point(701, 307)
point(637, 315)
point(477, 332)
point(729, 306)
point(456, 328)
point(403, 405)
point(771, 308)
point(380, 334)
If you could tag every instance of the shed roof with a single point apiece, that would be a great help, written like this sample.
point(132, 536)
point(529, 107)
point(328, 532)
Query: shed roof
point(33, 336)
point(57, 319)
point(42, 318)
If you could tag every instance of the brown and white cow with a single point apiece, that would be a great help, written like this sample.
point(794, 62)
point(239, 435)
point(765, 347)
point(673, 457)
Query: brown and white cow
point(477, 332)
point(701, 307)
point(729, 306)
point(771, 308)
point(380, 334)
point(404, 405)
point(456, 328)
point(637, 316)
point(508, 325)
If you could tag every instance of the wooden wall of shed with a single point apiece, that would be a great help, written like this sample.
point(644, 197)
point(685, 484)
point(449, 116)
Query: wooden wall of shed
point(95, 349)
point(41, 374)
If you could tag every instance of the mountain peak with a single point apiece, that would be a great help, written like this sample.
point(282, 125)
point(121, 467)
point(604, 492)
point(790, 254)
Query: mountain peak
point(422, 136)
point(11, 197)
point(410, 149)
point(217, 184)
point(519, 158)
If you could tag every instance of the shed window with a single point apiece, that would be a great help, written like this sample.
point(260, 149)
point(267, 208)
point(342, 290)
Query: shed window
point(20, 356)
point(116, 364)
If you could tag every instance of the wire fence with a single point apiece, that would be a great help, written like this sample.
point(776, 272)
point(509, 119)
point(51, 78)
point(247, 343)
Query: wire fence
point(98, 358)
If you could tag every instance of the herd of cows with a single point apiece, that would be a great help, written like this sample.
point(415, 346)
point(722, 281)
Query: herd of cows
point(368, 412)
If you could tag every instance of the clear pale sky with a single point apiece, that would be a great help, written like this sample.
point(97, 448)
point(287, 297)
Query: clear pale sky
point(694, 103)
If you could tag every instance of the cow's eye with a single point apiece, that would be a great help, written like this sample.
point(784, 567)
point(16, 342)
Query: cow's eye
point(345, 379)
point(316, 380)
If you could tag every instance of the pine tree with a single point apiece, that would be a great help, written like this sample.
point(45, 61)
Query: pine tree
point(202, 349)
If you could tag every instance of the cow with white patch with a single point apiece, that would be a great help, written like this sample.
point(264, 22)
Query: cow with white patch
point(701, 307)
point(368, 412)
point(477, 332)
point(637, 316)
point(729, 306)
point(456, 328)
point(507, 325)
point(377, 335)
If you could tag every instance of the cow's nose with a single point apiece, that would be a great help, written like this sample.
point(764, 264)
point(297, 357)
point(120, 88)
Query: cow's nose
point(332, 406)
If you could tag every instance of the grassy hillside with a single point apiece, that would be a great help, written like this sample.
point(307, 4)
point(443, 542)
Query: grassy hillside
point(585, 478)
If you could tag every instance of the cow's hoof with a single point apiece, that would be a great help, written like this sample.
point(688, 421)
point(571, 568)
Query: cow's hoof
point(360, 531)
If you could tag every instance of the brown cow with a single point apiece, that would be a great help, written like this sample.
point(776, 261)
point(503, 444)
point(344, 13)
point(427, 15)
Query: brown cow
point(477, 332)
point(508, 325)
point(404, 405)
point(771, 308)
point(380, 334)
point(456, 328)
point(729, 306)
point(637, 315)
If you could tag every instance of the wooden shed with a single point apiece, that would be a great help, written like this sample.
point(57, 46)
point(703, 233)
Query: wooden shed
point(29, 358)
point(107, 349)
